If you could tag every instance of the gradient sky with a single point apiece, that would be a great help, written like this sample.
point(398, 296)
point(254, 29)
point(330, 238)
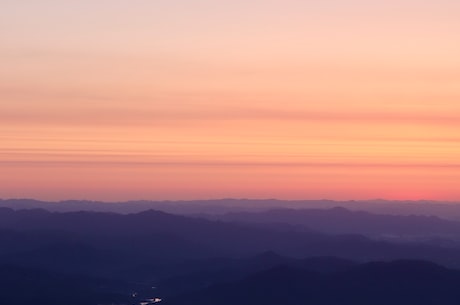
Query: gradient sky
point(180, 99)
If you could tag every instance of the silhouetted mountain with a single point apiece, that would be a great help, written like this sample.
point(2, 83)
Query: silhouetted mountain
point(182, 254)
point(449, 210)
point(342, 221)
point(203, 273)
point(399, 282)
point(108, 244)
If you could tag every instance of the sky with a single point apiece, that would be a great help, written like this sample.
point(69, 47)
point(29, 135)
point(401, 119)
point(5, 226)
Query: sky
point(180, 99)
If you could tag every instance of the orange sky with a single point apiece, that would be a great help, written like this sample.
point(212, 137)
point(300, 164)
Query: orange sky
point(342, 99)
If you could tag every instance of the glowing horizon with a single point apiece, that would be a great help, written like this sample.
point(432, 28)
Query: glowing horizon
point(343, 99)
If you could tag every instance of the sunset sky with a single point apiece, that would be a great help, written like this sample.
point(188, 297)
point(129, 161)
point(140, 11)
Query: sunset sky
point(180, 99)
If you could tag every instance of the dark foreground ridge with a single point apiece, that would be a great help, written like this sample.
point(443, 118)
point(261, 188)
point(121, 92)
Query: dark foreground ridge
point(21, 286)
point(398, 282)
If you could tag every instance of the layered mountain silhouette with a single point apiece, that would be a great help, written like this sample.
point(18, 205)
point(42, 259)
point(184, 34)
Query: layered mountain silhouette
point(448, 210)
point(151, 237)
point(339, 220)
point(193, 260)
point(398, 282)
